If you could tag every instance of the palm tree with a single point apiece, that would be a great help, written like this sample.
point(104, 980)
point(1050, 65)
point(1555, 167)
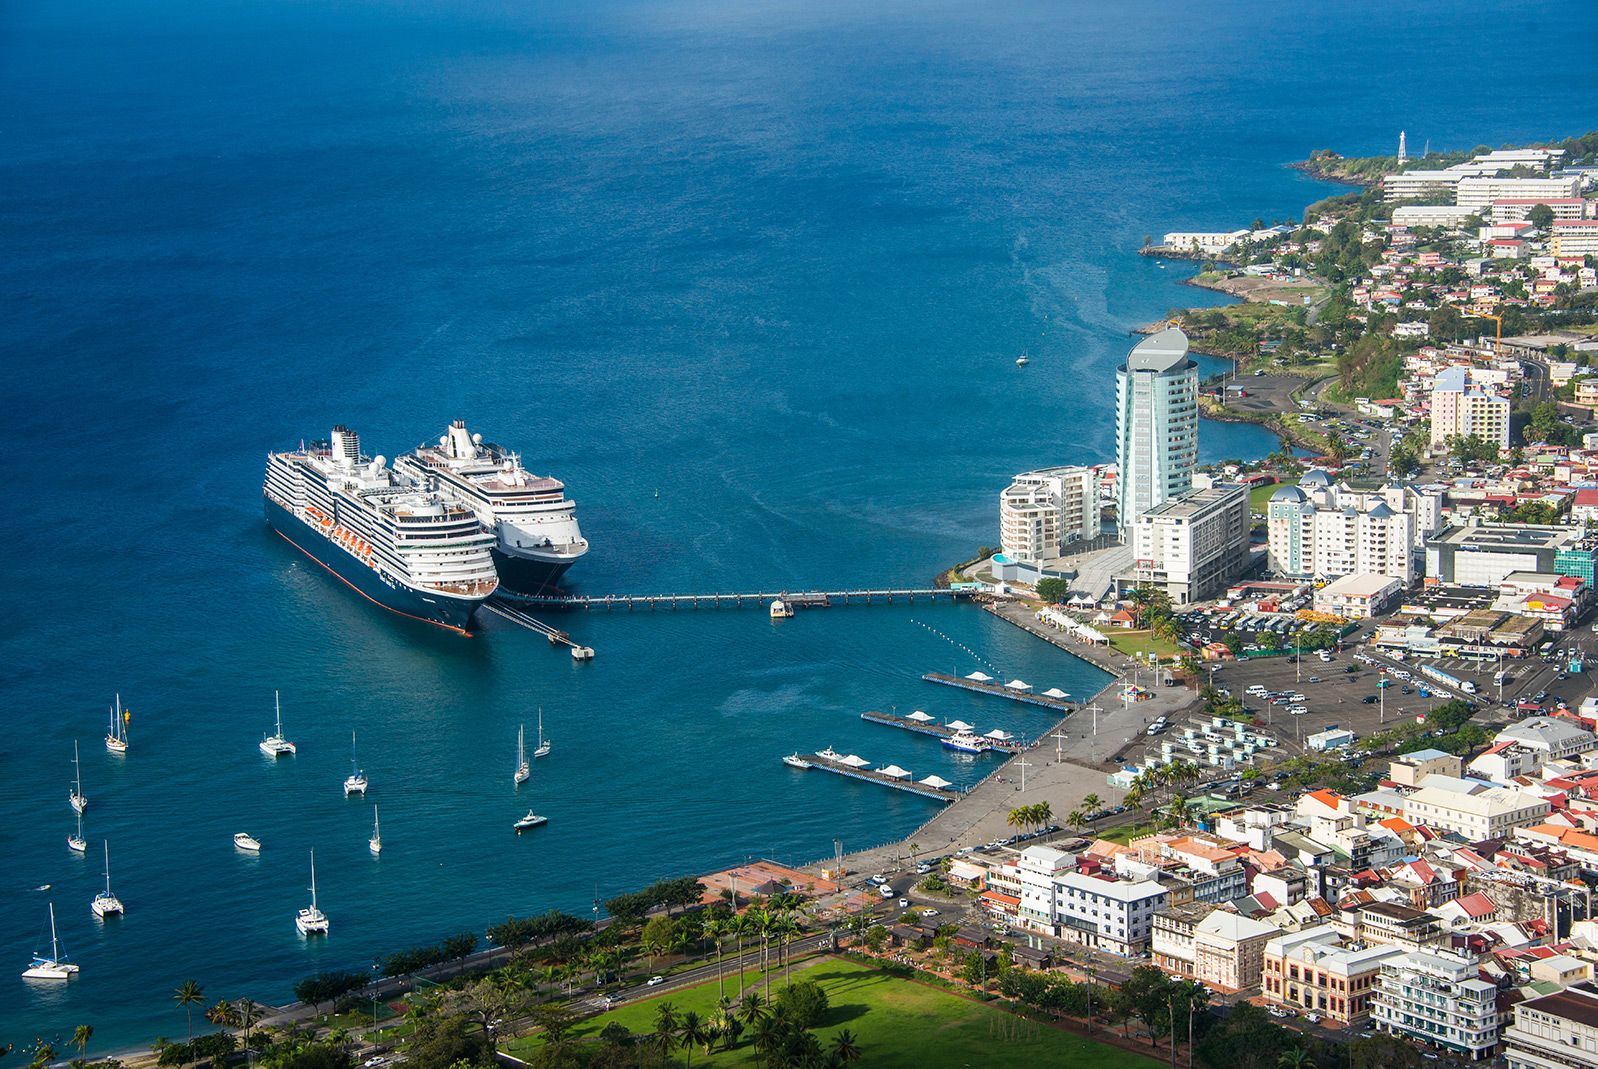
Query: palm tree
point(249, 1013)
point(714, 928)
point(1297, 1058)
point(1092, 804)
point(1075, 818)
point(1042, 813)
point(752, 1009)
point(187, 996)
point(665, 1028)
point(787, 927)
point(80, 1037)
point(694, 1033)
point(844, 1047)
point(742, 924)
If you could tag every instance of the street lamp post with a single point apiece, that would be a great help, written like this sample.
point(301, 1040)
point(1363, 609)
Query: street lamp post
point(1023, 765)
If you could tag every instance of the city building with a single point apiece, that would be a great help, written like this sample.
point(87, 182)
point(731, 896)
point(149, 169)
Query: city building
point(1574, 237)
point(1555, 739)
point(1193, 545)
point(1448, 215)
point(1557, 1031)
point(1517, 209)
point(1413, 184)
point(1478, 813)
point(1409, 769)
point(1111, 915)
point(1358, 597)
point(1211, 241)
point(1309, 540)
point(1156, 424)
point(1041, 513)
point(1461, 407)
point(1483, 555)
point(1556, 600)
point(1437, 997)
point(1313, 971)
point(1479, 192)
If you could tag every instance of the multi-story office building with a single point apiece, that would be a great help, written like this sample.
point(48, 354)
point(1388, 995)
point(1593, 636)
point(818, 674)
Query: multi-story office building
point(1430, 215)
point(1041, 513)
point(1193, 545)
point(1478, 812)
point(1478, 192)
point(1313, 971)
point(1515, 210)
point(1112, 915)
point(1484, 555)
point(1436, 996)
point(1557, 1031)
point(1203, 240)
point(1418, 183)
point(1463, 408)
point(1574, 237)
point(1156, 424)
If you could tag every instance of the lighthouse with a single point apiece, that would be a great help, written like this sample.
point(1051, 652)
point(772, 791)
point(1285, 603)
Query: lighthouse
point(1403, 157)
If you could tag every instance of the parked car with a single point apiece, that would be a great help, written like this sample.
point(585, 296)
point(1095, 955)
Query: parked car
point(904, 903)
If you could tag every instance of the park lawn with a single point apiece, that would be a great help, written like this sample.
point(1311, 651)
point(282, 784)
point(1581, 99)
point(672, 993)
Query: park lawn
point(1261, 495)
point(898, 1024)
point(1142, 642)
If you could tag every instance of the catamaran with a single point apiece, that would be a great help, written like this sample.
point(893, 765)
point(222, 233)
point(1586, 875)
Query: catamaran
point(276, 745)
point(523, 769)
point(75, 843)
point(55, 967)
point(116, 740)
point(76, 797)
point(107, 904)
point(312, 920)
point(355, 782)
point(375, 843)
point(543, 743)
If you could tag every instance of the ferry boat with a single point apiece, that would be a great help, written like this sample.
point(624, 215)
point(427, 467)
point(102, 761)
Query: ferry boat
point(246, 842)
point(795, 761)
point(392, 538)
point(531, 820)
point(534, 526)
point(966, 742)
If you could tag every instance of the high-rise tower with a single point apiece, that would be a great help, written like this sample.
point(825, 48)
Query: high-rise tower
point(1156, 424)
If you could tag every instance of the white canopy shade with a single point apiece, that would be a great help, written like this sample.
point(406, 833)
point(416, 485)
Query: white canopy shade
point(1002, 736)
point(960, 725)
point(895, 772)
point(1016, 684)
point(919, 716)
point(1055, 692)
point(936, 781)
point(980, 677)
point(853, 762)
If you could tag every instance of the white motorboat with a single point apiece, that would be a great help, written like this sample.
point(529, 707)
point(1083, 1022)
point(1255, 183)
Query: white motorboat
point(106, 904)
point(75, 843)
point(780, 610)
point(795, 761)
point(966, 742)
point(523, 769)
point(116, 740)
point(246, 842)
point(76, 797)
point(55, 967)
point(375, 843)
point(531, 820)
point(355, 782)
point(543, 743)
point(312, 921)
point(276, 745)
point(830, 754)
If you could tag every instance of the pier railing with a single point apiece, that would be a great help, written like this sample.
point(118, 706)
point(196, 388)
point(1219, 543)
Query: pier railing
point(797, 599)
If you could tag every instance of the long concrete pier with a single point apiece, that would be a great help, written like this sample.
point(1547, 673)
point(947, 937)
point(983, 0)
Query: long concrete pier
point(802, 599)
point(941, 731)
point(999, 690)
point(869, 775)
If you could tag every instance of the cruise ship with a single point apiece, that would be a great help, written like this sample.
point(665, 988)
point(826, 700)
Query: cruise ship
point(398, 543)
point(535, 531)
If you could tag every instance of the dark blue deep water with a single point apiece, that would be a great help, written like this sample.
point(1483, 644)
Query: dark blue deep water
point(772, 260)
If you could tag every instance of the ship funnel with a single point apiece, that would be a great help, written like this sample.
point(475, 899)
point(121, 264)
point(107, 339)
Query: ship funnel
point(460, 443)
point(346, 446)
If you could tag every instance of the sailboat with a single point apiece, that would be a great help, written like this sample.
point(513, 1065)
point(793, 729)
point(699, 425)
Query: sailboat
point(76, 797)
point(543, 743)
point(54, 967)
point(276, 745)
point(107, 904)
point(355, 782)
point(75, 843)
point(375, 843)
point(523, 769)
point(312, 920)
point(116, 740)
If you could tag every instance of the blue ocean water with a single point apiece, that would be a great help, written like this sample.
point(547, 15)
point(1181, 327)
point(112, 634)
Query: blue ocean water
point(772, 260)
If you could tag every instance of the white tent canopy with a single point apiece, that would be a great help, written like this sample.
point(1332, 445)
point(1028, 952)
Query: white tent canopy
point(999, 734)
point(895, 772)
point(854, 762)
point(936, 781)
point(919, 717)
point(980, 677)
point(1055, 692)
point(1016, 684)
point(960, 725)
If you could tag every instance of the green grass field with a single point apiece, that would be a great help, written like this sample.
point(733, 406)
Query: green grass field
point(897, 1023)
point(1260, 496)
point(1141, 642)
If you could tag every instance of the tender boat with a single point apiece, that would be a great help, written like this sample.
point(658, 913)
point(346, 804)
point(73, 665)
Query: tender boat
point(966, 742)
point(105, 903)
point(116, 740)
point(523, 769)
point(375, 843)
point(531, 820)
point(355, 782)
point(276, 745)
point(312, 921)
point(76, 797)
point(543, 743)
point(780, 610)
point(795, 761)
point(55, 967)
point(830, 754)
point(582, 653)
point(246, 842)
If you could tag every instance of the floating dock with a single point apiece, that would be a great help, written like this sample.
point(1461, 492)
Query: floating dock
point(942, 731)
point(840, 764)
point(1000, 690)
point(811, 599)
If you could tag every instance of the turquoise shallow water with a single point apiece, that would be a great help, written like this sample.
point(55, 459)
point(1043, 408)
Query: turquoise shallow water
point(774, 262)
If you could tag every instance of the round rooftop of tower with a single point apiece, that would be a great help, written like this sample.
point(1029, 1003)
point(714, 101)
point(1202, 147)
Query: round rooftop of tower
point(1159, 352)
point(1290, 493)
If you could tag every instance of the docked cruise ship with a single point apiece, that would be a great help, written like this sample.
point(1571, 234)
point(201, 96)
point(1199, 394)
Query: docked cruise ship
point(397, 542)
point(534, 526)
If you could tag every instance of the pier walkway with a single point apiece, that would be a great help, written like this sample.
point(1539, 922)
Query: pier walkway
point(937, 730)
point(812, 599)
point(999, 690)
point(516, 616)
point(940, 789)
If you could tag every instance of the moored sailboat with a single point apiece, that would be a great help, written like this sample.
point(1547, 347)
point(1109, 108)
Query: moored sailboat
point(523, 769)
point(276, 745)
point(375, 843)
point(543, 743)
point(355, 782)
point(312, 921)
point(75, 843)
point(76, 797)
point(116, 740)
point(107, 904)
point(55, 967)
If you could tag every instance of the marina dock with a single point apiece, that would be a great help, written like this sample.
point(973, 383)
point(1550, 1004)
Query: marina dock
point(1055, 700)
point(937, 730)
point(858, 768)
point(810, 599)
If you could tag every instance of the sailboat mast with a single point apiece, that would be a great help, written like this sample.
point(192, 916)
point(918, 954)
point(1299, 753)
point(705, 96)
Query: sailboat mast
point(313, 879)
point(278, 702)
point(107, 867)
point(55, 953)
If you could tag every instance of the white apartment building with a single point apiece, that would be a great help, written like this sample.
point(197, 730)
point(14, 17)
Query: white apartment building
point(1557, 1031)
point(1477, 812)
point(1437, 997)
point(1478, 193)
point(1413, 184)
point(1554, 739)
point(1574, 237)
point(1032, 879)
point(1360, 536)
point(1461, 407)
point(1111, 915)
point(1430, 215)
point(1193, 545)
point(1211, 241)
point(1043, 512)
point(1515, 210)
point(1424, 507)
point(1156, 425)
